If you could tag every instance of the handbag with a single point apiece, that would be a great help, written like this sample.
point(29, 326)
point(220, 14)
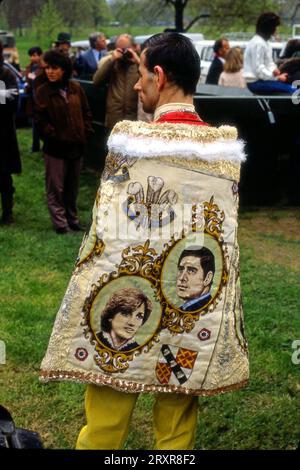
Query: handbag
point(12, 437)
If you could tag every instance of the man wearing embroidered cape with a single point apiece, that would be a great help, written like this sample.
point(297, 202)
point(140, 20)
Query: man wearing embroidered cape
point(167, 186)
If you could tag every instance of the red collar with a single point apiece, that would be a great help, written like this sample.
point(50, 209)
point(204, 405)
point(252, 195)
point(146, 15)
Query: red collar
point(181, 117)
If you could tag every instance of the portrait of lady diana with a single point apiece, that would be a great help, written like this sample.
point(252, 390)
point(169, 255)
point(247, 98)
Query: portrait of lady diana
point(123, 315)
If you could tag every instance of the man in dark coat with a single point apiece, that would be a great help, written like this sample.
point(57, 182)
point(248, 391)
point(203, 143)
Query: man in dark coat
point(221, 47)
point(10, 161)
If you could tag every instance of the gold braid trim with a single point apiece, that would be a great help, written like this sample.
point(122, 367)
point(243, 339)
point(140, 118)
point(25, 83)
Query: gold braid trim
point(166, 131)
point(222, 168)
point(131, 387)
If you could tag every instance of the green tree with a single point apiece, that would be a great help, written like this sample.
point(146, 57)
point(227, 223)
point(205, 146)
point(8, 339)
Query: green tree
point(126, 11)
point(20, 17)
point(3, 21)
point(78, 13)
point(99, 12)
point(138, 12)
point(218, 15)
point(179, 6)
point(47, 24)
point(221, 13)
point(74, 13)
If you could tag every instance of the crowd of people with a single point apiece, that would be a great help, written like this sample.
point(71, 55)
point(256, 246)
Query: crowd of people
point(60, 114)
point(255, 68)
point(117, 364)
point(61, 117)
point(10, 161)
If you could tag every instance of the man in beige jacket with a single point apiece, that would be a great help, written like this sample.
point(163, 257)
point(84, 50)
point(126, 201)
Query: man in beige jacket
point(119, 70)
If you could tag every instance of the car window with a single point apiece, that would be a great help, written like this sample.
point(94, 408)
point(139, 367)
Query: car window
point(208, 53)
point(276, 52)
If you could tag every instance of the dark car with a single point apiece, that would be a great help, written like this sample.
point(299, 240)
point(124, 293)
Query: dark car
point(21, 117)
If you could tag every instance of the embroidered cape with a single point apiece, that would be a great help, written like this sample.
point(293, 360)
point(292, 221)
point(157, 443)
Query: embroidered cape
point(168, 198)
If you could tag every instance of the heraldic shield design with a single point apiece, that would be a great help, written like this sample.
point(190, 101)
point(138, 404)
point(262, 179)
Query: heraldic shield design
point(175, 364)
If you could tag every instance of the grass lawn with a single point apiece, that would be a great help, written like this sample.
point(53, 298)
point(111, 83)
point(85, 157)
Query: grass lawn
point(35, 267)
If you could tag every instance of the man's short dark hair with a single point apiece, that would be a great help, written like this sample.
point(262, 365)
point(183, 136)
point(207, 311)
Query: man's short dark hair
point(266, 24)
point(218, 44)
point(177, 56)
point(35, 50)
point(54, 57)
point(207, 259)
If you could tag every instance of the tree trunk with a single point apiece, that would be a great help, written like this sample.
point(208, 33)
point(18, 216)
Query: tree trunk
point(179, 9)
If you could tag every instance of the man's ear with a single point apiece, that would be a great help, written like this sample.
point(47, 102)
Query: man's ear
point(160, 76)
point(208, 278)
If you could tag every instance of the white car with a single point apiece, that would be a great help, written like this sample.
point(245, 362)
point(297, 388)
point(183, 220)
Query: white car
point(296, 31)
point(194, 37)
point(277, 49)
point(82, 45)
point(205, 51)
point(207, 56)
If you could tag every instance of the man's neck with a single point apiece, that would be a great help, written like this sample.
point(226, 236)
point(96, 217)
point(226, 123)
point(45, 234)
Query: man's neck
point(173, 108)
point(174, 95)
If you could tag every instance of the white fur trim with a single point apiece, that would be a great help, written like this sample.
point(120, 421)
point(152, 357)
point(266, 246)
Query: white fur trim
point(141, 147)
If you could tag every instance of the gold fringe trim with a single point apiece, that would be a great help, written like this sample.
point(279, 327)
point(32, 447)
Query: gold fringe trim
point(177, 132)
point(132, 387)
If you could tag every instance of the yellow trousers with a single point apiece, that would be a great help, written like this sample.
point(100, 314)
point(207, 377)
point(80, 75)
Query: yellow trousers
point(109, 412)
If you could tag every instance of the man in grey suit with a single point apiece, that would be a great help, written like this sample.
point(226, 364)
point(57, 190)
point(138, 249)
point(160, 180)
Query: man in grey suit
point(87, 62)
